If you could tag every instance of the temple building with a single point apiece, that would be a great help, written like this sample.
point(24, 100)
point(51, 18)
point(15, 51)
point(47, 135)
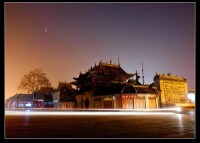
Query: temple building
point(108, 86)
point(174, 89)
point(100, 76)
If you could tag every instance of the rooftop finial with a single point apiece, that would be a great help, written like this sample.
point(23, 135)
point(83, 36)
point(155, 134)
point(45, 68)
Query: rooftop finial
point(118, 62)
point(137, 77)
point(142, 74)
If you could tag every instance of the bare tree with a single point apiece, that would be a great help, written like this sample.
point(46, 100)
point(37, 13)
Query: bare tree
point(34, 80)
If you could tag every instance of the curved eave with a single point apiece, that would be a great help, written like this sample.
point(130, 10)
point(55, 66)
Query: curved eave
point(75, 78)
point(74, 83)
point(130, 75)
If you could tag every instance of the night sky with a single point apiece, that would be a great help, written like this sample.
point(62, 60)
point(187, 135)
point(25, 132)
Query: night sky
point(65, 38)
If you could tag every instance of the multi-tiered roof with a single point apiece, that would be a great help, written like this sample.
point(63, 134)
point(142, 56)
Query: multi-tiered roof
point(101, 75)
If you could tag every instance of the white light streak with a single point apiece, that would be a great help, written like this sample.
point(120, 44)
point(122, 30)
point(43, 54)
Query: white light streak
point(84, 113)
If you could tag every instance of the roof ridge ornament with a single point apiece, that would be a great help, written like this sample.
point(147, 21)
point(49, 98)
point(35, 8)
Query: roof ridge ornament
point(118, 62)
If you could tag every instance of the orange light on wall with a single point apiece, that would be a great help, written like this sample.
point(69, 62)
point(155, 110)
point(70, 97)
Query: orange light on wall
point(123, 103)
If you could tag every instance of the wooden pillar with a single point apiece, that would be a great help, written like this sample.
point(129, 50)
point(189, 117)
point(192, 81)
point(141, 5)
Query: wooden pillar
point(157, 102)
point(147, 102)
point(114, 100)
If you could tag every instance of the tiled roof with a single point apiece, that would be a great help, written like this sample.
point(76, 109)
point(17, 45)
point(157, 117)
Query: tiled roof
point(144, 90)
point(118, 89)
point(13, 98)
point(62, 84)
point(25, 97)
point(115, 70)
point(46, 89)
point(134, 82)
point(128, 89)
point(39, 95)
point(103, 70)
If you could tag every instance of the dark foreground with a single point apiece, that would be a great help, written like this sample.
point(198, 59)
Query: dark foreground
point(101, 126)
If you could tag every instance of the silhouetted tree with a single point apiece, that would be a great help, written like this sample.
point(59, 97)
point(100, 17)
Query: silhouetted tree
point(34, 80)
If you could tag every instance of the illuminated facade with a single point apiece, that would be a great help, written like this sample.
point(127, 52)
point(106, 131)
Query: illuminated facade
point(144, 99)
point(174, 89)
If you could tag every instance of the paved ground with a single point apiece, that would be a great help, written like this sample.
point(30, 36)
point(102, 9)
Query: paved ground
point(101, 126)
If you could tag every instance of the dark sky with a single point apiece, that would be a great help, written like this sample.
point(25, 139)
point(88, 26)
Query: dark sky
point(78, 35)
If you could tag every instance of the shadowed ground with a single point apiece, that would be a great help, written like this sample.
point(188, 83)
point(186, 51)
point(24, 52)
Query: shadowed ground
point(132, 126)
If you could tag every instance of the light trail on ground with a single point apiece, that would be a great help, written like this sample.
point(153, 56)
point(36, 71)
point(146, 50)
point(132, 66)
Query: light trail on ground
point(94, 112)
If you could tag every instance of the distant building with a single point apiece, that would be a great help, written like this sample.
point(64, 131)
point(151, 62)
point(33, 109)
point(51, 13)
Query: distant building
point(48, 97)
point(11, 102)
point(174, 89)
point(64, 96)
point(40, 99)
point(191, 95)
point(20, 101)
